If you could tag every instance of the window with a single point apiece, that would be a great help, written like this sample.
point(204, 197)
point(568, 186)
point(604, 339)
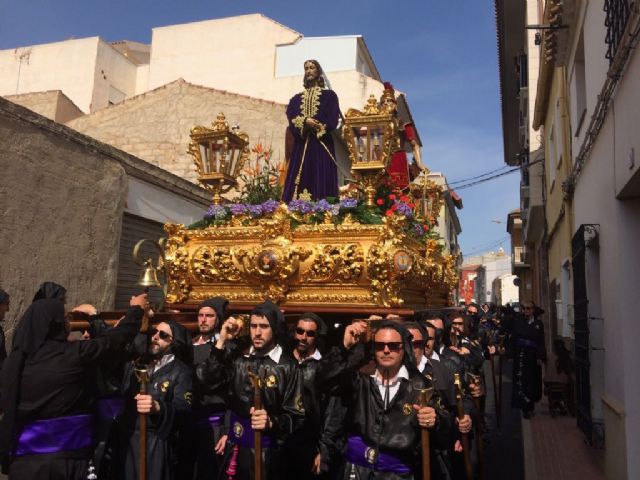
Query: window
point(617, 15)
point(578, 89)
point(551, 164)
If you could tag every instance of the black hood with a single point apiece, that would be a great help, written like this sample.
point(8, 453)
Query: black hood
point(219, 305)
point(181, 346)
point(50, 290)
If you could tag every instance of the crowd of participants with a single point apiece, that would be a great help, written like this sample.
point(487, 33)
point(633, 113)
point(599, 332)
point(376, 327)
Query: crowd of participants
point(348, 404)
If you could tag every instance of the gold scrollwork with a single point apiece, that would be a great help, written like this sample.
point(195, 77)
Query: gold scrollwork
point(343, 263)
point(211, 264)
point(177, 263)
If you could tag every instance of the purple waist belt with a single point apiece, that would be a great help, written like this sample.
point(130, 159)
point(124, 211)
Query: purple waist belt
point(206, 417)
point(242, 434)
point(109, 408)
point(54, 435)
point(359, 453)
point(524, 343)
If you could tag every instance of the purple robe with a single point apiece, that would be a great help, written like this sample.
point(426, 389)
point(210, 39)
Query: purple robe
point(313, 155)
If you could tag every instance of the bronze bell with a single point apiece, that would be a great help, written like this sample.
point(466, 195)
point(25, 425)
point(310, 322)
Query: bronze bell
point(149, 277)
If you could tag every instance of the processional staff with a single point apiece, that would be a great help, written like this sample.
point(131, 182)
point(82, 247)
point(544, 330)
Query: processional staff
point(464, 438)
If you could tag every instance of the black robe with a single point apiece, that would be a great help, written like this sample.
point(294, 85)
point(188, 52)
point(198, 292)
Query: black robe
point(228, 371)
point(198, 456)
point(526, 346)
point(393, 430)
point(59, 381)
point(171, 387)
point(322, 430)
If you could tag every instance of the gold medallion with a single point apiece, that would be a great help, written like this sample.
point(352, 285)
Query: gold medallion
point(407, 409)
point(164, 386)
point(238, 430)
point(188, 396)
point(271, 381)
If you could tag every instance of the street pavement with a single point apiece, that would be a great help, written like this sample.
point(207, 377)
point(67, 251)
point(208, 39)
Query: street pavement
point(503, 447)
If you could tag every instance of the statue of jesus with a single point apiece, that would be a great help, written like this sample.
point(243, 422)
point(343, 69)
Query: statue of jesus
point(313, 114)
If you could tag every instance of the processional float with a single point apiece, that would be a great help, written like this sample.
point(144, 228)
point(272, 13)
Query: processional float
point(307, 254)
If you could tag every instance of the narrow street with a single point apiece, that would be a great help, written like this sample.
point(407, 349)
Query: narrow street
point(503, 447)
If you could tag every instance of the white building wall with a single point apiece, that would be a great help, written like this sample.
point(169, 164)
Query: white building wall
point(619, 276)
point(115, 77)
point(68, 66)
point(235, 54)
point(533, 59)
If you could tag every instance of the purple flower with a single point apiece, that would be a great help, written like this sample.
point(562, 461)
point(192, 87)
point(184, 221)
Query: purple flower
point(322, 206)
point(254, 210)
point(238, 208)
point(216, 211)
point(270, 206)
point(404, 209)
point(419, 231)
point(348, 203)
point(301, 206)
point(335, 210)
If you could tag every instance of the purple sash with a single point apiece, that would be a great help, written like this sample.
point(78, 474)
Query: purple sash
point(359, 453)
point(207, 416)
point(241, 433)
point(109, 408)
point(54, 435)
point(524, 343)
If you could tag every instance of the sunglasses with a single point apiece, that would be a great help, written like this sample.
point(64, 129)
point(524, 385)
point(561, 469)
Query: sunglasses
point(457, 323)
point(417, 343)
point(392, 346)
point(302, 331)
point(163, 335)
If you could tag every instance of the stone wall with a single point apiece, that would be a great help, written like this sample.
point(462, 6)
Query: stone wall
point(61, 203)
point(155, 126)
point(52, 104)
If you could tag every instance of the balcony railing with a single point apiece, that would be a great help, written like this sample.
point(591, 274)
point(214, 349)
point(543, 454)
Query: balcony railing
point(617, 15)
point(520, 257)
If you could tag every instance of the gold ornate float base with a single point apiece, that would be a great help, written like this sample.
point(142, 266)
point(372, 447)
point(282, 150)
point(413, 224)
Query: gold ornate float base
point(348, 265)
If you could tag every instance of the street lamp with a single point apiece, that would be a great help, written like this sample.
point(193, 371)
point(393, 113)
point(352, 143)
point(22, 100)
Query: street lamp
point(219, 154)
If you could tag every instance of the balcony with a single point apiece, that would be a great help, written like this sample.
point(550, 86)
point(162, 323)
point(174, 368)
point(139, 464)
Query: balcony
point(617, 16)
point(519, 258)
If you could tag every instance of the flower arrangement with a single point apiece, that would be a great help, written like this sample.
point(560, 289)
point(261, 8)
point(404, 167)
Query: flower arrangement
point(260, 179)
point(260, 198)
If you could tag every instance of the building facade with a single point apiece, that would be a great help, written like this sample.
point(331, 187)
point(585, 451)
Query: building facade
point(586, 116)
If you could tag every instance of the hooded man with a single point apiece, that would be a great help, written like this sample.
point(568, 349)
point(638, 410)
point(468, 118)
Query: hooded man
point(167, 404)
point(203, 451)
point(235, 372)
point(49, 391)
point(51, 290)
point(313, 449)
point(385, 425)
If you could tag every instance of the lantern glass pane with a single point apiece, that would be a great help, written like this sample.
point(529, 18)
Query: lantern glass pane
point(204, 156)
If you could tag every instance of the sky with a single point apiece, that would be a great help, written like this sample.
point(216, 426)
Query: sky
point(441, 54)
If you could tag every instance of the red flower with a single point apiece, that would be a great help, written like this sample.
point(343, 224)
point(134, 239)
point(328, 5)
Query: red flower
point(392, 196)
point(389, 213)
point(404, 199)
point(394, 207)
point(379, 201)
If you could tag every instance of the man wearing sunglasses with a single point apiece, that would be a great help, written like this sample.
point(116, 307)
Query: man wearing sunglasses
point(167, 404)
point(314, 449)
point(385, 416)
point(236, 372)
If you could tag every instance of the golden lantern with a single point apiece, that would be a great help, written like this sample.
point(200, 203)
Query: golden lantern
point(371, 136)
point(428, 197)
point(219, 154)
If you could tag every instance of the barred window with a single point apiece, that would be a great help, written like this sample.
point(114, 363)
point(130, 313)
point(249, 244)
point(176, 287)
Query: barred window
point(617, 15)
